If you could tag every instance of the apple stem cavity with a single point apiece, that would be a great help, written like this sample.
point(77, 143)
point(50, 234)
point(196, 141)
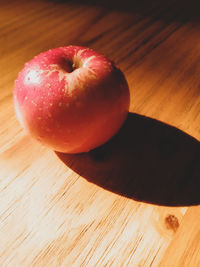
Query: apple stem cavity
point(68, 65)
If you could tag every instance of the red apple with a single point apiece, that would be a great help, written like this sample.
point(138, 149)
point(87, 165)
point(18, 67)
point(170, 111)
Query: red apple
point(71, 99)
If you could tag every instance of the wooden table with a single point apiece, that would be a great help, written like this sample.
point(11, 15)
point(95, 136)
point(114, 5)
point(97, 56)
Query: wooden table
point(134, 201)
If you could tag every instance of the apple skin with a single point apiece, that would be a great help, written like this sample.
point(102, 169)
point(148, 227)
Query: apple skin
point(71, 99)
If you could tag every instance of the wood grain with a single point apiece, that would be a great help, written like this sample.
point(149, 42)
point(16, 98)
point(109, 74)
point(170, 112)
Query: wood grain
point(127, 203)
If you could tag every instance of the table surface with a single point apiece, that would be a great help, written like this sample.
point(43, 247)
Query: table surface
point(134, 201)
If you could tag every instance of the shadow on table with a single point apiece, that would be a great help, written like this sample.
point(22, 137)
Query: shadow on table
point(147, 161)
point(179, 10)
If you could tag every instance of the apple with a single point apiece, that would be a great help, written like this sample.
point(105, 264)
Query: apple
point(71, 99)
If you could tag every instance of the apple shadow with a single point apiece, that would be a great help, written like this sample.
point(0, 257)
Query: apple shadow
point(147, 161)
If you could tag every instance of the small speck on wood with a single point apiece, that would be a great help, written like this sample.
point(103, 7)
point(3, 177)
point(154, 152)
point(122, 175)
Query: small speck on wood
point(172, 222)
